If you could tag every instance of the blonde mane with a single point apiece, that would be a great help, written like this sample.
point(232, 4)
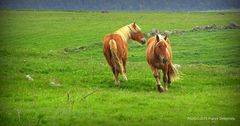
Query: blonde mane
point(125, 32)
point(160, 37)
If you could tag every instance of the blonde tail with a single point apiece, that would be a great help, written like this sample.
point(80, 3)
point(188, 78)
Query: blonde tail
point(117, 63)
point(173, 72)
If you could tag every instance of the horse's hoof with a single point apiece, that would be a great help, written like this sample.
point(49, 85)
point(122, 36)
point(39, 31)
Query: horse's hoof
point(160, 88)
point(169, 84)
point(166, 89)
point(125, 77)
point(117, 83)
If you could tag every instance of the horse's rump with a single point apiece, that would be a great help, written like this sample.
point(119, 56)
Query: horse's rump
point(115, 51)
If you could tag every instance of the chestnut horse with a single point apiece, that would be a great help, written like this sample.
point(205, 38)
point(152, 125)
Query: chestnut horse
point(159, 56)
point(115, 48)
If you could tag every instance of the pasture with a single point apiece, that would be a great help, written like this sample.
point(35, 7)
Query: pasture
point(73, 85)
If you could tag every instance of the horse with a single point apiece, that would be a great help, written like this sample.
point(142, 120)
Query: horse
point(115, 48)
point(159, 56)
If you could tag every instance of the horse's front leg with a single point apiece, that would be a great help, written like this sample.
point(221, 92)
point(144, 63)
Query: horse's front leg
point(156, 75)
point(165, 77)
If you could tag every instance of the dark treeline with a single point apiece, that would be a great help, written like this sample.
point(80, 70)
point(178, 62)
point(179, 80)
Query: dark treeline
point(120, 4)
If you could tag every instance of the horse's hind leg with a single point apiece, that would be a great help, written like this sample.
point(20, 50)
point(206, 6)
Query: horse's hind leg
point(156, 75)
point(169, 77)
point(115, 73)
point(117, 82)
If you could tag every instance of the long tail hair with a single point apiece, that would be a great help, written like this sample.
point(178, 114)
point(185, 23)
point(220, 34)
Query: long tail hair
point(173, 72)
point(117, 63)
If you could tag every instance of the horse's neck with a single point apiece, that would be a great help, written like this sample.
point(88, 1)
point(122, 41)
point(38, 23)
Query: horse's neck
point(124, 32)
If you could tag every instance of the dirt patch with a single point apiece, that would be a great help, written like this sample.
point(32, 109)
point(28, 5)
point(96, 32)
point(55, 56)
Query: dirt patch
point(83, 48)
point(77, 49)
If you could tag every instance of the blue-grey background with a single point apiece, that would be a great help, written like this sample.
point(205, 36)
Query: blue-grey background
point(120, 4)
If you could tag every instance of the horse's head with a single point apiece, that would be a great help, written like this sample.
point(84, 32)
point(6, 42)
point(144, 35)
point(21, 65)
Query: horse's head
point(136, 33)
point(161, 48)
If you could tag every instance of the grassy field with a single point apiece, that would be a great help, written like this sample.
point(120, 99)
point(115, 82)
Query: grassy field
point(75, 86)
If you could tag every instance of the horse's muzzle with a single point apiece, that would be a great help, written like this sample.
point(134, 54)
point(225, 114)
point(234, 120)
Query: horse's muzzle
point(143, 41)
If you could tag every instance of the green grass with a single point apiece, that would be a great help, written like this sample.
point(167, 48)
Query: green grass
point(42, 44)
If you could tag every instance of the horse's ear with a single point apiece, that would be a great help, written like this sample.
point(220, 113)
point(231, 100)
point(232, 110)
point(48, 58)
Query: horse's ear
point(165, 37)
point(157, 38)
point(134, 25)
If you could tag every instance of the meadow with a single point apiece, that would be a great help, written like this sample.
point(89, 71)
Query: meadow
point(73, 85)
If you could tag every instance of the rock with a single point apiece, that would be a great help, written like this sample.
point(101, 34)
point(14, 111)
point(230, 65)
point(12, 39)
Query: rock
point(214, 26)
point(221, 13)
point(154, 31)
point(104, 11)
point(208, 27)
point(196, 28)
point(148, 35)
point(55, 83)
point(29, 77)
point(232, 25)
point(167, 33)
point(176, 31)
